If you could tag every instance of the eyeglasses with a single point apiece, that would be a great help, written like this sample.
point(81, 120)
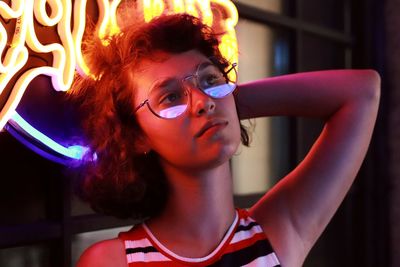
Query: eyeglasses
point(170, 98)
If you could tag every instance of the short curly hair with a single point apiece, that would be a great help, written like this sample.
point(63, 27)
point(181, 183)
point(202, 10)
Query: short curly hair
point(122, 181)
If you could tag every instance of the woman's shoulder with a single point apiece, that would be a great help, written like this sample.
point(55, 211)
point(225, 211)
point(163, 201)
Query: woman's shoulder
point(109, 252)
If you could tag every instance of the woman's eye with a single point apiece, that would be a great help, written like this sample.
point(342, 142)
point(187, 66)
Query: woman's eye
point(211, 80)
point(169, 98)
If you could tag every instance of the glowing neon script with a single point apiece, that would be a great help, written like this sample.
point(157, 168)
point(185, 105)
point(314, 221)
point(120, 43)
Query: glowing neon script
point(202, 9)
point(74, 152)
point(149, 9)
point(62, 69)
point(67, 55)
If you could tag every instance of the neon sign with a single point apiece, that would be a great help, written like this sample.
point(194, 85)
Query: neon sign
point(67, 19)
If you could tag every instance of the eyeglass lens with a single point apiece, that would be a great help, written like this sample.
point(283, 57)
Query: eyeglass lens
point(169, 99)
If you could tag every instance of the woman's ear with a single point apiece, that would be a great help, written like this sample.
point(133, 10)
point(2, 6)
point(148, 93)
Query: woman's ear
point(142, 144)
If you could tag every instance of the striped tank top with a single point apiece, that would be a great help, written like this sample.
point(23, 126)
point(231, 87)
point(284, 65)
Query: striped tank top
point(244, 244)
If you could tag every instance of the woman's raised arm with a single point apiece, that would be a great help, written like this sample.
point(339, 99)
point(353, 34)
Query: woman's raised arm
point(296, 210)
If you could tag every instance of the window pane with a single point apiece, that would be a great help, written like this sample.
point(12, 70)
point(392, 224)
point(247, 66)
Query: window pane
point(276, 6)
point(32, 256)
point(318, 53)
point(262, 53)
point(329, 13)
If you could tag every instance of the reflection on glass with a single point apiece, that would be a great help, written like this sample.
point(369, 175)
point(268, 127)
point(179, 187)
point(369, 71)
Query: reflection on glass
point(32, 256)
point(261, 54)
point(268, 5)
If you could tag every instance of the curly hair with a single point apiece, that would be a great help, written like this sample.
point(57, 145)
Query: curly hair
point(122, 181)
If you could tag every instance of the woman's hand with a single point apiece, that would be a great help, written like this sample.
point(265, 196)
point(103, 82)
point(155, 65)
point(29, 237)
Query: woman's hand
point(296, 210)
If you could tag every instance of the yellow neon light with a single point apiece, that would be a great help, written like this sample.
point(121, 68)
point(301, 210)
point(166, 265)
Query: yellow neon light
point(62, 69)
point(206, 12)
point(77, 33)
point(67, 55)
point(228, 46)
point(177, 5)
point(151, 8)
point(191, 8)
point(108, 26)
point(108, 18)
point(113, 24)
point(8, 12)
point(42, 17)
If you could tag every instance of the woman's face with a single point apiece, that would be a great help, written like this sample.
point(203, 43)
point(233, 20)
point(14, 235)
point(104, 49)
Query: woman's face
point(206, 135)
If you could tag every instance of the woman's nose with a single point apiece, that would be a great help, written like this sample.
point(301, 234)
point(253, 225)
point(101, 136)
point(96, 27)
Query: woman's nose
point(202, 104)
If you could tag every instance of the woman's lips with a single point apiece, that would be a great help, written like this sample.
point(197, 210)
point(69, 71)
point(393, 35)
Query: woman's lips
point(211, 127)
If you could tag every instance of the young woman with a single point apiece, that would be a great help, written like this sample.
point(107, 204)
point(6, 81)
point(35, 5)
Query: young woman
point(164, 119)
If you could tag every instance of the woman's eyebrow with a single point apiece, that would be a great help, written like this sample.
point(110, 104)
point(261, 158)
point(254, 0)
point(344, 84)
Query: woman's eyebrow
point(198, 67)
point(203, 65)
point(162, 82)
point(165, 81)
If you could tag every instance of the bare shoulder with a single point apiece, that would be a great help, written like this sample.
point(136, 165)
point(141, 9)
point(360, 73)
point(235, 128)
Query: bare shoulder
point(105, 253)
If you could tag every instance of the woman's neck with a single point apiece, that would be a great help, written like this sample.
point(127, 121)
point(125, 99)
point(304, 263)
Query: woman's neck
point(199, 208)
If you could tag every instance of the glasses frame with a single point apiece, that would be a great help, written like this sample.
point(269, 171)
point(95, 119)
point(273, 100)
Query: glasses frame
point(195, 75)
